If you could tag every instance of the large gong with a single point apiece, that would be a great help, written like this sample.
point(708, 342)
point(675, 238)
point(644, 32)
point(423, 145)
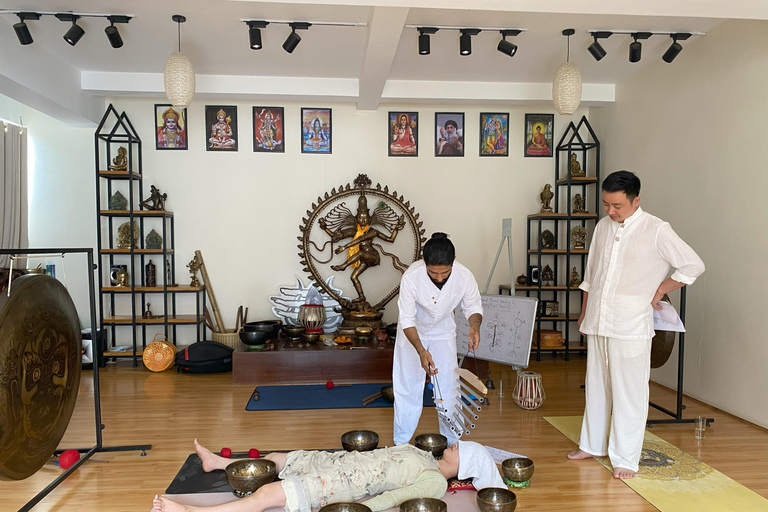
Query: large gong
point(40, 361)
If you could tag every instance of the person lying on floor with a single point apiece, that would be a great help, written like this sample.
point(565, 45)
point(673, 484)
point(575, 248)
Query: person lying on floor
point(317, 478)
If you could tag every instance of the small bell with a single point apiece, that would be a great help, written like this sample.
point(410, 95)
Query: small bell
point(489, 381)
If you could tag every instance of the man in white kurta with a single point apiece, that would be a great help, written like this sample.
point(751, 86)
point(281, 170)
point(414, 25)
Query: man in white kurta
point(626, 276)
point(429, 309)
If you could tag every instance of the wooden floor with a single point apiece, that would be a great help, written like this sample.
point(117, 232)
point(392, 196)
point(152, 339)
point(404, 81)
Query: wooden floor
point(168, 410)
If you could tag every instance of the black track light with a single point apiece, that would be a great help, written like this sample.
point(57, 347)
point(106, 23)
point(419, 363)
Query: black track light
point(293, 39)
point(508, 47)
point(424, 33)
point(75, 32)
point(675, 48)
point(596, 49)
point(21, 29)
point(254, 33)
point(635, 50)
point(114, 36)
point(465, 40)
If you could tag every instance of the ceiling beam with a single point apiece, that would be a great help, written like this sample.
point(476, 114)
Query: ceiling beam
point(384, 34)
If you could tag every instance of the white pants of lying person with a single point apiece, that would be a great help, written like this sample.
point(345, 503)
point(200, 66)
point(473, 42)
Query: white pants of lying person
point(408, 381)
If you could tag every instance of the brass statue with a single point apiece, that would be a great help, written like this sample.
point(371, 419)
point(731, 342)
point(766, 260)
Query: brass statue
point(122, 277)
point(547, 239)
point(578, 204)
point(576, 170)
point(124, 236)
point(361, 254)
point(579, 237)
point(153, 240)
point(547, 276)
point(575, 279)
point(118, 202)
point(546, 196)
point(155, 201)
point(150, 276)
point(193, 267)
point(120, 162)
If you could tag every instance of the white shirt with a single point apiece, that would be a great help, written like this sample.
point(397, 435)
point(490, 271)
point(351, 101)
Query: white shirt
point(627, 262)
point(430, 309)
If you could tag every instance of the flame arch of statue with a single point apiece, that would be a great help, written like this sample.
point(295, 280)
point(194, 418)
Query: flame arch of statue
point(333, 206)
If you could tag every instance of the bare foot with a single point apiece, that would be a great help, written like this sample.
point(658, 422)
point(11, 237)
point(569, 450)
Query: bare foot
point(579, 455)
point(623, 473)
point(163, 504)
point(210, 460)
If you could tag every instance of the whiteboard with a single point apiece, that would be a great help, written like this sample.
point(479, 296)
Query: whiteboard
point(506, 332)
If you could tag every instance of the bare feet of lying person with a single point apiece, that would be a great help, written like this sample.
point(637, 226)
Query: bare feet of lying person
point(579, 455)
point(163, 504)
point(623, 473)
point(210, 460)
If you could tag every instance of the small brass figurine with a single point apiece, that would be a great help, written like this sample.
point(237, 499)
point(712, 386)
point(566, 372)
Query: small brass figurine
point(155, 201)
point(578, 204)
point(546, 196)
point(194, 266)
point(124, 236)
point(575, 279)
point(579, 237)
point(118, 202)
point(547, 275)
point(547, 239)
point(120, 162)
point(150, 276)
point(522, 280)
point(576, 170)
point(148, 312)
point(122, 277)
point(153, 240)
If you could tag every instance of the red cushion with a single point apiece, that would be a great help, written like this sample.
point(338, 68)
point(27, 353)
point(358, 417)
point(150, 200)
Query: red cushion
point(460, 485)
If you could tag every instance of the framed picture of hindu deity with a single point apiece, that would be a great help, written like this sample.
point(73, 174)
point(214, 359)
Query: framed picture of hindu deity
point(403, 130)
point(170, 127)
point(539, 129)
point(316, 130)
point(221, 128)
point(494, 134)
point(449, 134)
point(268, 132)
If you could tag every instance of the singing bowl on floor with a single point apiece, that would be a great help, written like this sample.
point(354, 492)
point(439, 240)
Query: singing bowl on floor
point(423, 505)
point(388, 394)
point(247, 475)
point(345, 507)
point(518, 469)
point(435, 443)
point(495, 499)
point(359, 440)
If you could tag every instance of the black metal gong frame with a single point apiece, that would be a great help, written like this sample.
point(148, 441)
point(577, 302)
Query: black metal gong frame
point(99, 447)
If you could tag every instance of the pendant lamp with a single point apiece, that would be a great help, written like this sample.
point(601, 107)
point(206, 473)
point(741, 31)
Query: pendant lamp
point(179, 76)
point(566, 87)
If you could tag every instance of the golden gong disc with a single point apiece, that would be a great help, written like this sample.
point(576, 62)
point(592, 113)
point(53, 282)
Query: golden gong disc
point(40, 362)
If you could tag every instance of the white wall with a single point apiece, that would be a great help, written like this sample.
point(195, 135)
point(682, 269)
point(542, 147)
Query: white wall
point(695, 132)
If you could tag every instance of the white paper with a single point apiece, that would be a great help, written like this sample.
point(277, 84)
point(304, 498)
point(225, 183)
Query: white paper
point(667, 319)
point(500, 456)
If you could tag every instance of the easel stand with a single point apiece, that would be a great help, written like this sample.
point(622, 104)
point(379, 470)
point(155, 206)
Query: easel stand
point(96, 391)
point(506, 235)
point(677, 417)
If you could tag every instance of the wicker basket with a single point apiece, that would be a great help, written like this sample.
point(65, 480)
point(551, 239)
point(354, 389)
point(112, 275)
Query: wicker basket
point(159, 355)
point(228, 338)
point(549, 338)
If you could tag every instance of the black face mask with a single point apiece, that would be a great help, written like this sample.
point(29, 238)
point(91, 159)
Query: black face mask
point(439, 284)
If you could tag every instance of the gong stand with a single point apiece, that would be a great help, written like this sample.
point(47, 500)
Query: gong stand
point(88, 452)
point(677, 417)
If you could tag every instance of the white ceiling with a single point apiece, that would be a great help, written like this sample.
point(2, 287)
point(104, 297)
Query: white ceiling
point(368, 65)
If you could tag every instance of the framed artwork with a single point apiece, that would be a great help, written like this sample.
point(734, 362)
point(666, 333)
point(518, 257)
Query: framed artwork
point(221, 123)
point(449, 134)
point(316, 134)
point(170, 127)
point(268, 132)
point(494, 134)
point(539, 129)
point(403, 130)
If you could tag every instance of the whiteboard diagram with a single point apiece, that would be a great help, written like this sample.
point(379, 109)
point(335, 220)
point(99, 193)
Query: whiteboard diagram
point(506, 332)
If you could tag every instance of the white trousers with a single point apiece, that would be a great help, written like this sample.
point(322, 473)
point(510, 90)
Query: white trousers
point(408, 381)
point(617, 399)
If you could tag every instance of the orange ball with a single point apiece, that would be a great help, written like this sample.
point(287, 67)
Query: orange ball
point(68, 458)
point(329, 384)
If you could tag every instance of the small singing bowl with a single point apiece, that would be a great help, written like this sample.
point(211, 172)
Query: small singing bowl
point(311, 337)
point(363, 331)
point(345, 507)
point(434, 443)
point(293, 331)
point(423, 505)
point(496, 499)
point(247, 475)
point(388, 394)
point(518, 469)
point(360, 440)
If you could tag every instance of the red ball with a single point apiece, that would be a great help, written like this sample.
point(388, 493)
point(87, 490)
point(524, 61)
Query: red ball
point(329, 384)
point(253, 453)
point(68, 458)
point(226, 453)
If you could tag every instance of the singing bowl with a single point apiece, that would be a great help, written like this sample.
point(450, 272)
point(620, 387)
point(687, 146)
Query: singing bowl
point(518, 469)
point(272, 326)
point(363, 331)
point(388, 394)
point(359, 440)
point(345, 507)
point(311, 337)
point(434, 443)
point(495, 499)
point(423, 505)
point(392, 330)
point(253, 338)
point(294, 331)
point(247, 475)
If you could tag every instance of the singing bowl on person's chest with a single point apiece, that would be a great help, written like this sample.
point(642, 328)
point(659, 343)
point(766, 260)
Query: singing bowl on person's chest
point(433, 443)
point(359, 440)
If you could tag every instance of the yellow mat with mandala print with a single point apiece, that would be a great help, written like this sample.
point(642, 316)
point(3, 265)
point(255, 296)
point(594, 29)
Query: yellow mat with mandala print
point(672, 480)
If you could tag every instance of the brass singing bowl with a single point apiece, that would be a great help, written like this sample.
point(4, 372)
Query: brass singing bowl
point(388, 394)
point(423, 505)
point(359, 440)
point(496, 499)
point(518, 469)
point(293, 331)
point(311, 337)
point(434, 443)
point(345, 507)
point(247, 475)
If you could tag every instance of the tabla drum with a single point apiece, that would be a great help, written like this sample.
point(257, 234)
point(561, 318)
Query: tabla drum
point(529, 392)
point(40, 362)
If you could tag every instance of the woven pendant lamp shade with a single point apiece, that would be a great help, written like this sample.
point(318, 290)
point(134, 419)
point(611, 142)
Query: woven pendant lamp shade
point(566, 89)
point(179, 78)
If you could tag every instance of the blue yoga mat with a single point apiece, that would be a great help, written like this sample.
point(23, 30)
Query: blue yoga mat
point(317, 396)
